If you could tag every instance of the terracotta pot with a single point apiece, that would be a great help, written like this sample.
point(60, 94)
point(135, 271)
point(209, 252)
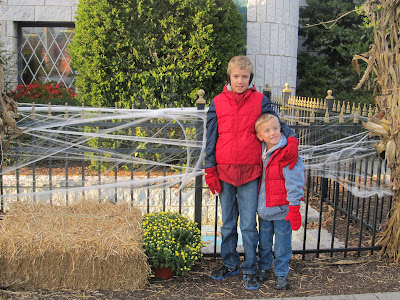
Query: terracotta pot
point(163, 272)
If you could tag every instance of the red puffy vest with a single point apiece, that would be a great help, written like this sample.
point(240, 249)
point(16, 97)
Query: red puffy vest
point(237, 142)
point(275, 190)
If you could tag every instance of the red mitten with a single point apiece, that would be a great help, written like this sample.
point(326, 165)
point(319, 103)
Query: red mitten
point(294, 217)
point(290, 153)
point(212, 180)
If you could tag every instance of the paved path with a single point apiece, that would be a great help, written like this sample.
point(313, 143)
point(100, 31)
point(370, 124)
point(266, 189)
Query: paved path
point(375, 296)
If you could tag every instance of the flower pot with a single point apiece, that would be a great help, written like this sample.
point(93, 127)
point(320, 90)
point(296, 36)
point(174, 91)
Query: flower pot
point(163, 272)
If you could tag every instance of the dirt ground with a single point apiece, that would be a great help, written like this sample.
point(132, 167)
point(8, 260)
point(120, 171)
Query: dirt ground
point(313, 276)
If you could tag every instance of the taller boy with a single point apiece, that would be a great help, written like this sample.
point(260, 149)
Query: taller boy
point(233, 165)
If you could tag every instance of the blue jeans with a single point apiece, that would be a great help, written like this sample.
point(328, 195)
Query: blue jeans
point(282, 249)
point(235, 201)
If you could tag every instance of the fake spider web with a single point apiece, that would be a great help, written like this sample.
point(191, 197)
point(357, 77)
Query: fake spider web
point(152, 157)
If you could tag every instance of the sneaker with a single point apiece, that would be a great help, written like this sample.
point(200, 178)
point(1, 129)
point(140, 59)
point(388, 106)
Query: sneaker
point(262, 275)
point(280, 283)
point(251, 282)
point(223, 272)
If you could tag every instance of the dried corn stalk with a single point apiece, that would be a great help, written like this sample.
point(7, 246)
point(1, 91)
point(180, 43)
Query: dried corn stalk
point(383, 73)
point(8, 114)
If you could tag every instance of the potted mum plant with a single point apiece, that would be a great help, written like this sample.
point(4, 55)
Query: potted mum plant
point(172, 242)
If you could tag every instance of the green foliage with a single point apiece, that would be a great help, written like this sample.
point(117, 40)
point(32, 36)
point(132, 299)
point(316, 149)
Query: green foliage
point(153, 52)
point(171, 240)
point(331, 47)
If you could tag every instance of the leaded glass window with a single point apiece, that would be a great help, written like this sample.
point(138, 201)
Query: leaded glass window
point(43, 55)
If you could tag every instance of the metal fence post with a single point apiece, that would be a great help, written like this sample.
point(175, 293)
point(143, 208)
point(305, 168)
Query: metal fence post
point(329, 101)
point(286, 93)
point(198, 196)
point(267, 91)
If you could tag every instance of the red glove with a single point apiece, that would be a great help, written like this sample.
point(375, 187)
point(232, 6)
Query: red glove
point(290, 153)
point(212, 180)
point(294, 217)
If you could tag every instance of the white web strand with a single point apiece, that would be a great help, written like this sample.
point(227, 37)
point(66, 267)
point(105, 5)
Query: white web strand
point(71, 134)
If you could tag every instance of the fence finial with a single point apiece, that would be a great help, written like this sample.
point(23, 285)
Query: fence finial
point(364, 111)
point(341, 118)
point(66, 110)
point(348, 108)
point(355, 120)
point(201, 94)
point(326, 119)
point(33, 110)
point(49, 110)
point(312, 116)
point(370, 114)
point(200, 103)
point(83, 111)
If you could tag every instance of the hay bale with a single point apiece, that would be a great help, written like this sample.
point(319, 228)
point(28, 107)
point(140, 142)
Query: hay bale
point(82, 246)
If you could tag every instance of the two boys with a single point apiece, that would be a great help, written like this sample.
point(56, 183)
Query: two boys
point(233, 168)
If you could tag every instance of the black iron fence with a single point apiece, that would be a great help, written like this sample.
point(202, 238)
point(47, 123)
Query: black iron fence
point(334, 219)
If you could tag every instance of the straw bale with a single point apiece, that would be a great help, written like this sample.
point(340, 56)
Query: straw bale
point(88, 245)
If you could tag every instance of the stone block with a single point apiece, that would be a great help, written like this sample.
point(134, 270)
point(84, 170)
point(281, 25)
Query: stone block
point(26, 2)
point(282, 40)
point(53, 13)
point(253, 38)
point(265, 38)
point(61, 2)
point(262, 11)
point(259, 70)
point(279, 9)
point(271, 11)
point(251, 10)
point(17, 13)
point(277, 72)
point(273, 49)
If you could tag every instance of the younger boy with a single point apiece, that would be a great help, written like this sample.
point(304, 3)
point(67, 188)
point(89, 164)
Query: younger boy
point(280, 193)
point(233, 168)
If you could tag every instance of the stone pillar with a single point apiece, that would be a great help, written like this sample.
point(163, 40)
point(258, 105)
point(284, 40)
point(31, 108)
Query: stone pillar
point(272, 41)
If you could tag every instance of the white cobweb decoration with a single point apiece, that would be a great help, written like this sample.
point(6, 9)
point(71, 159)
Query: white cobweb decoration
point(151, 157)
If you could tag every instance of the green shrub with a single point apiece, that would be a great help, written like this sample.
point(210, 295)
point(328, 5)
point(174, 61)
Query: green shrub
point(153, 52)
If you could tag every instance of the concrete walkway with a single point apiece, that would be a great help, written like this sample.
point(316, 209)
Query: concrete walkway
point(374, 296)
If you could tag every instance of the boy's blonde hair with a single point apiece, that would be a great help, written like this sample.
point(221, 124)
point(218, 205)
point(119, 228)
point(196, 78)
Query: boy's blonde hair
point(241, 62)
point(263, 119)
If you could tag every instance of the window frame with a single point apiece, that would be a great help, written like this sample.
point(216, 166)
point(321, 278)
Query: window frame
point(20, 25)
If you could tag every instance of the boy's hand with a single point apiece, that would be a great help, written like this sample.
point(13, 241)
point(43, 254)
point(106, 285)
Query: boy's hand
point(290, 153)
point(294, 217)
point(212, 180)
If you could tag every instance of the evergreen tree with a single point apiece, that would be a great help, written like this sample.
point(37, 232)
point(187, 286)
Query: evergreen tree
point(153, 52)
point(330, 47)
